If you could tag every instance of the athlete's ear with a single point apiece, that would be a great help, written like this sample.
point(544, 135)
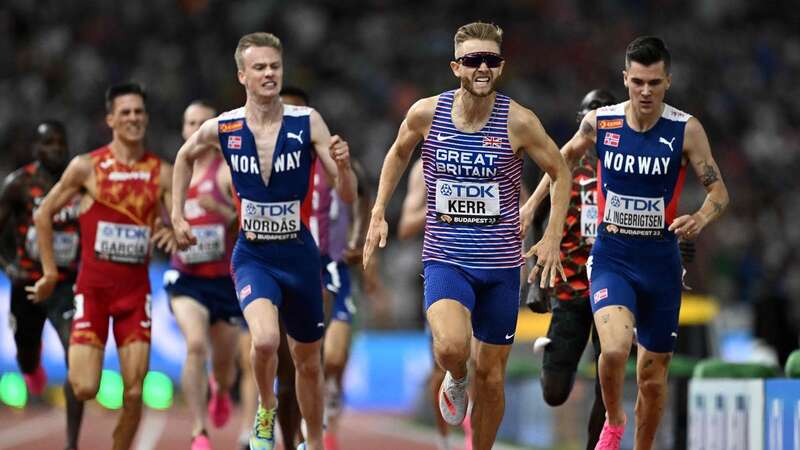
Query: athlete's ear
point(625, 77)
point(110, 120)
point(500, 69)
point(669, 81)
point(454, 66)
point(240, 76)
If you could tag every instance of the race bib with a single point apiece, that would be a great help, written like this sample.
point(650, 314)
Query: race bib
point(634, 216)
point(273, 221)
point(588, 209)
point(65, 246)
point(589, 221)
point(461, 203)
point(210, 245)
point(122, 243)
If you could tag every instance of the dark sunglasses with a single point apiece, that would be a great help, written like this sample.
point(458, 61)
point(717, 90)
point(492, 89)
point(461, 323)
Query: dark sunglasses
point(474, 60)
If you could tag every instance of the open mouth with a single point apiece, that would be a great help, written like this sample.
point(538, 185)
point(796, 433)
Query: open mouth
point(482, 81)
point(269, 84)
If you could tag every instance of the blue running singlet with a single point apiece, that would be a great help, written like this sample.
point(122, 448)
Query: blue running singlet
point(635, 260)
point(275, 256)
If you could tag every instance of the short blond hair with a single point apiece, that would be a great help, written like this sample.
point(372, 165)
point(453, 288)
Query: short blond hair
point(481, 31)
point(259, 39)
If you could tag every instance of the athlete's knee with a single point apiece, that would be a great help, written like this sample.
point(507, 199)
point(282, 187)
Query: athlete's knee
point(197, 348)
point(614, 357)
point(266, 346)
point(556, 387)
point(83, 389)
point(491, 377)
point(308, 367)
point(451, 352)
point(334, 363)
point(651, 386)
point(132, 395)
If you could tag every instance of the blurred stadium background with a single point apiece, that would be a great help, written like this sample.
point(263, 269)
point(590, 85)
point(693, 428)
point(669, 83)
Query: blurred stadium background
point(735, 66)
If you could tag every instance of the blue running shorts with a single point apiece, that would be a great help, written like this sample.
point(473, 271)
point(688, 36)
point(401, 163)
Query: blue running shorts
point(644, 277)
point(336, 280)
point(491, 295)
point(288, 275)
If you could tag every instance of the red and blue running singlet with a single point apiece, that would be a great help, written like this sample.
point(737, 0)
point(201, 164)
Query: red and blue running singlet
point(280, 209)
point(640, 175)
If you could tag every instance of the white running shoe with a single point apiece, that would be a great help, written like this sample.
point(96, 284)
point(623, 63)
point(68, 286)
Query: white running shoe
point(453, 400)
point(540, 344)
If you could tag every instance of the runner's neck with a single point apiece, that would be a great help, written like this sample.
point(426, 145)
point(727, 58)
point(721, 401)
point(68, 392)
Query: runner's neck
point(473, 111)
point(261, 113)
point(126, 153)
point(640, 122)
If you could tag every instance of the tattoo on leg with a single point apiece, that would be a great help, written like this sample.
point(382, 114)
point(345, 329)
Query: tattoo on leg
point(605, 318)
point(709, 175)
point(647, 364)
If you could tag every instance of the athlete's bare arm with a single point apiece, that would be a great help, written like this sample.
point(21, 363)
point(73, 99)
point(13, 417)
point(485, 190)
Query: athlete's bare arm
point(75, 178)
point(361, 208)
point(204, 140)
point(698, 151)
point(415, 206)
point(527, 134)
point(413, 129)
point(334, 153)
point(10, 200)
point(163, 236)
point(225, 184)
point(572, 151)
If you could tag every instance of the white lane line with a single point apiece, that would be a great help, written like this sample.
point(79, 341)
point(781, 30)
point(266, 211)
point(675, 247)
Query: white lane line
point(32, 429)
point(151, 428)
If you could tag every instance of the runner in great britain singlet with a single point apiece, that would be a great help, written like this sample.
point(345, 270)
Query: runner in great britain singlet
point(472, 252)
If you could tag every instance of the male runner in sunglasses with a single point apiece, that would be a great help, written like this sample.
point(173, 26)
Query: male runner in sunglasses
point(474, 139)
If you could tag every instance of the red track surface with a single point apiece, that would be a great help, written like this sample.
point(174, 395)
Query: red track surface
point(42, 428)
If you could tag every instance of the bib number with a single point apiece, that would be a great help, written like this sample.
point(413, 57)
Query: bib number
point(272, 221)
point(122, 243)
point(65, 246)
point(460, 203)
point(210, 245)
point(589, 211)
point(634, 216)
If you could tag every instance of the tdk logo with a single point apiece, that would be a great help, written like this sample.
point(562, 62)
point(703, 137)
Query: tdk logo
point(637, 204)
point(469, 191)
point(126, 233)
point(205, 233)
point(271, 210)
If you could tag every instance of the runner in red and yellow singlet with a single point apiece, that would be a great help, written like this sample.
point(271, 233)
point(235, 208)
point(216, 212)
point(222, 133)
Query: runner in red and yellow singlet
point(123, 186)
